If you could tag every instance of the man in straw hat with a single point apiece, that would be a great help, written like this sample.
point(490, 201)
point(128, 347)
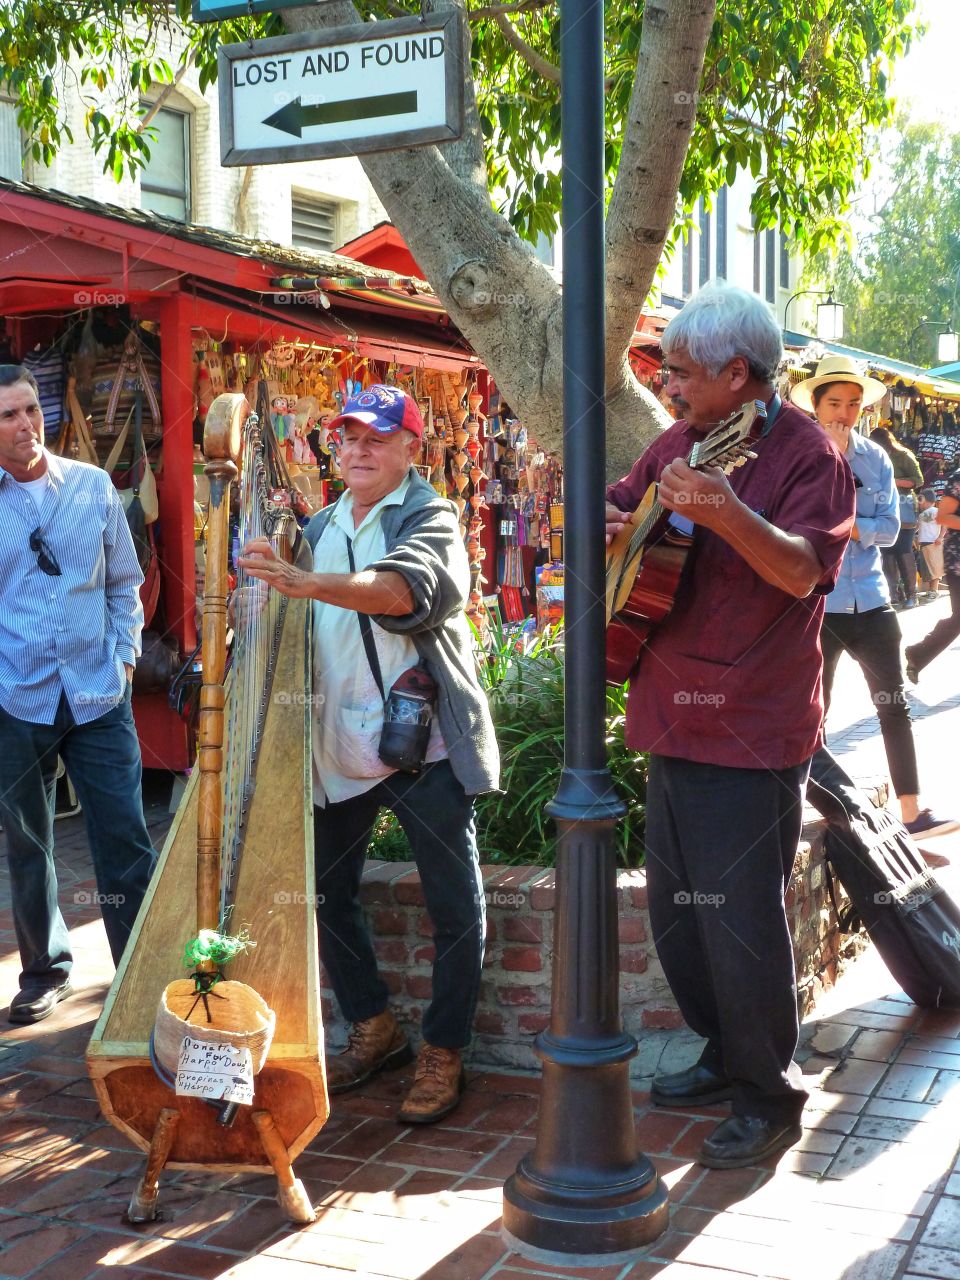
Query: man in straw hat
point(727, 702)
point(859, 617)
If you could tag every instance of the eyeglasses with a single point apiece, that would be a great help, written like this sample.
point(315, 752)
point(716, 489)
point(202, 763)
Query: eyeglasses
point(46, 560)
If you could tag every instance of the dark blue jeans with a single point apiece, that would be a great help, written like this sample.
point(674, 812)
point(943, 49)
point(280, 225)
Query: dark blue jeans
point(103, 760)
point(720, 849)
point(437, 816)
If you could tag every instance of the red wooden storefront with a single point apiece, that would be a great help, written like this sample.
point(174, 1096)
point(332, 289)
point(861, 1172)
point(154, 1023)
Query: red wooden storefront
point(61, 254)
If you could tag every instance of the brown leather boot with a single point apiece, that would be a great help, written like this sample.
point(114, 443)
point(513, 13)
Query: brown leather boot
point(437, 1086)
point(376, 1044)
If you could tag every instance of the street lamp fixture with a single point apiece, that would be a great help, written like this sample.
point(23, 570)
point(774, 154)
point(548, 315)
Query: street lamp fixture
point(948, 347)
point(948, 342)
point(829, 314)
point(830, 320)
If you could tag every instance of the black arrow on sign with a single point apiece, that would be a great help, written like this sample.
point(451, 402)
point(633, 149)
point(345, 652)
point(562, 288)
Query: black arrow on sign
point(294, 117)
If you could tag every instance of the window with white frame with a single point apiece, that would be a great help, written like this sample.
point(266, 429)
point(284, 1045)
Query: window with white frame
point(314, 222)
point(11, 148)
point(722, 234)
point(165, 179)
point(770, 264)
point(784, 260)
point(705, 221)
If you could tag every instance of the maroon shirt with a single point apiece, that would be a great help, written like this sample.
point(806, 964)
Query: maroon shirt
point(732, 676)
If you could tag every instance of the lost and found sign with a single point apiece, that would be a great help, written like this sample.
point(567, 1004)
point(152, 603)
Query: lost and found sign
point(346, 91)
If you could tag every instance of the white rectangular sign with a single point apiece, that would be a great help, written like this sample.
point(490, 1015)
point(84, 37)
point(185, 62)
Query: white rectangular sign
point(220, 1071)
point(375, 87)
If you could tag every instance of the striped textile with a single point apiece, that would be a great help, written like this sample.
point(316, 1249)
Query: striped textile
point(71, 633)
point(48, 369)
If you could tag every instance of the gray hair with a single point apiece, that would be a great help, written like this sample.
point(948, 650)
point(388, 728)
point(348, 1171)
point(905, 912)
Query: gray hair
point(11, 374)
point(722, 321)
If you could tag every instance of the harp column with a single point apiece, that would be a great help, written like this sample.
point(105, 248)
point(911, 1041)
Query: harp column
point(221, 473)
point(584, 1194)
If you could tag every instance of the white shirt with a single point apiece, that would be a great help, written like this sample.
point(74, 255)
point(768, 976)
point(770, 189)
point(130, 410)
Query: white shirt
point(928, 529)
point(348, 708)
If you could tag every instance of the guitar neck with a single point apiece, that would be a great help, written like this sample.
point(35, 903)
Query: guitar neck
point(646, 526)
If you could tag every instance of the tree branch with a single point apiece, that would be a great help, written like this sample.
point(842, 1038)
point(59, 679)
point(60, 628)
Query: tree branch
point(166, 91)
point(504, 301)
point(535, 61)
point(656, 134)
point(492, 10)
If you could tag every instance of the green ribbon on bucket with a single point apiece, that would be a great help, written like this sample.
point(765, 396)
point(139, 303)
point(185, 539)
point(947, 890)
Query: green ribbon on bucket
point(219, 948)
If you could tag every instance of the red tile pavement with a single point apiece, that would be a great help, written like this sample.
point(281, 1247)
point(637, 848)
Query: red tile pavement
point(871, 1192)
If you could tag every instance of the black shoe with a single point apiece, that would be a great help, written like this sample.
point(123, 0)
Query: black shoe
point(743, 1140)
point(31, 1005)
point(913, 672)
point(695, 1087)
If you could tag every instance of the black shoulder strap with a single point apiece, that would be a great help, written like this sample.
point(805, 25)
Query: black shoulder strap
point(773, 410)
point(366, 631)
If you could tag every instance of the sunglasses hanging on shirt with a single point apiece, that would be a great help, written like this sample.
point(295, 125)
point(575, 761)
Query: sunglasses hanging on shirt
point(46, 560)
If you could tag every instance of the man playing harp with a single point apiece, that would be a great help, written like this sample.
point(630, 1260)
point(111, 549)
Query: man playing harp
point(391, 645)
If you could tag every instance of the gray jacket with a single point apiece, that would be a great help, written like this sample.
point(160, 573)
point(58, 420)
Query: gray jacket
point(424, 544)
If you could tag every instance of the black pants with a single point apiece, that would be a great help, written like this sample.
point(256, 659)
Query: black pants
point(873, 639)
point(899, 564)
point(720, 849)
point(437, 816)
point(944, 633)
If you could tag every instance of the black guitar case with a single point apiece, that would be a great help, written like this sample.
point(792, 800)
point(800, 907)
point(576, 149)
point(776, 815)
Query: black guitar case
point(910, 917)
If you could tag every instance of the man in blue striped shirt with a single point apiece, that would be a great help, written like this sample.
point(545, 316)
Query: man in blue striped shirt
point(70, 622)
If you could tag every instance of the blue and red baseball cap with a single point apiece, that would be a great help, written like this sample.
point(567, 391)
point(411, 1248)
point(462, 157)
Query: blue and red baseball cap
point(386, 409)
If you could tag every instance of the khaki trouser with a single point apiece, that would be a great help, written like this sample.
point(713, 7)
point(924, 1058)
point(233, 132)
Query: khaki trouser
point(933, 558)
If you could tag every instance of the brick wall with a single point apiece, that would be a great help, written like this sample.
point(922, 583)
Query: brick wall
point(515, 993)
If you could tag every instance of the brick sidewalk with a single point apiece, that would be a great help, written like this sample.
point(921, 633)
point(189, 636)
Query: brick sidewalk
point(872, 1191)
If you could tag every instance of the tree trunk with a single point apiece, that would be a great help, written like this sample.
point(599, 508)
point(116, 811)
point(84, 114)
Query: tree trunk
point(503, 300)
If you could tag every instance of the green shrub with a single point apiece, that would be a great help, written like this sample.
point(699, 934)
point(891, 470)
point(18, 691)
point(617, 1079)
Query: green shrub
point(526, 701)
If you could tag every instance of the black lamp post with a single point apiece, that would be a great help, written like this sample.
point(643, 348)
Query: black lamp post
point(584, 1193)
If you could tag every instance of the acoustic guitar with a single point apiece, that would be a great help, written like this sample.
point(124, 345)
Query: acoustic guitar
point(646, 558)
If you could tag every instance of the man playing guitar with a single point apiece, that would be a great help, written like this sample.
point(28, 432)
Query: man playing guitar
point(727, 701)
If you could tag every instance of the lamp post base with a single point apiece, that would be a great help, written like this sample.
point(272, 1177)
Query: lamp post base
point(584, 1193)
point(584, 1226)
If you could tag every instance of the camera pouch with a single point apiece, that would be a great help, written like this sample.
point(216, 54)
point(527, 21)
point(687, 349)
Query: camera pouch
point(408, 708)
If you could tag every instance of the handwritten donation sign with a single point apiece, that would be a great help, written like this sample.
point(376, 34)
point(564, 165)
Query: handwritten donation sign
point(347, 91)
point(222, 1072)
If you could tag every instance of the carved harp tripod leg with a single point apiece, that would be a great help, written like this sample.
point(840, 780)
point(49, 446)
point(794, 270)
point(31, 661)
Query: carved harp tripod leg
point(291, 1192)
point(143, 1202)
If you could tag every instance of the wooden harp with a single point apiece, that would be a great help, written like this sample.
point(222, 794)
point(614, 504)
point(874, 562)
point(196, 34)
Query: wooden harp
point(238, 856)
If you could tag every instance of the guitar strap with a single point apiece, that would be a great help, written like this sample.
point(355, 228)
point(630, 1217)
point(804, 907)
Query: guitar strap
point(776, 404)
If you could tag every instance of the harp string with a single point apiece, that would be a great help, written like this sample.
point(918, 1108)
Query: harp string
point(256, 639)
